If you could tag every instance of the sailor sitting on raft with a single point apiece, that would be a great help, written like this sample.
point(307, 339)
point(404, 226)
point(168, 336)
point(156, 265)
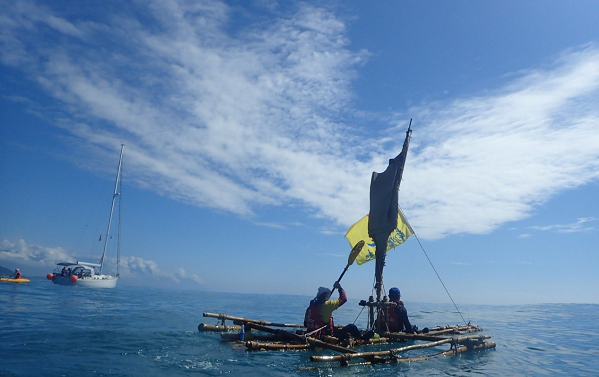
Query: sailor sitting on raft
point(397, 315)
point(319, 316)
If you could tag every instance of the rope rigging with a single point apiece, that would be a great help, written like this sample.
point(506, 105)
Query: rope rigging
point(439, 277)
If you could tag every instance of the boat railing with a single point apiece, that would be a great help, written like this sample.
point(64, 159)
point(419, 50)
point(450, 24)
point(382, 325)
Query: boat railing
point(89, 264)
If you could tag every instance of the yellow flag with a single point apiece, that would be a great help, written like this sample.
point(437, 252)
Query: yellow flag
point(359, 231)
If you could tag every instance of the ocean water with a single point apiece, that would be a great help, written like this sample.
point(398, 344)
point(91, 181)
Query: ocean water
point(53, 330)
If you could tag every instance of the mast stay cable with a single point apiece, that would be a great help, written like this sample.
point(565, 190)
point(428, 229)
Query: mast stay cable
point(438, 276)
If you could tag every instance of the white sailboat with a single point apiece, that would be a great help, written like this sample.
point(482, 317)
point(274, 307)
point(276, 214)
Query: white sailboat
point(85, 274)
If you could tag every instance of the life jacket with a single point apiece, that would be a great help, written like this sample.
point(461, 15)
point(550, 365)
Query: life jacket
point(314, 321)
point(393, 320)
point(17, 275)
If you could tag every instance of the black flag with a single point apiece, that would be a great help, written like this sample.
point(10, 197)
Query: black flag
point(384, 207)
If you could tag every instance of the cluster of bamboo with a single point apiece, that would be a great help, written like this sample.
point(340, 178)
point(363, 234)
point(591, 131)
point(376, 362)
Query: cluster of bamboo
point(273, 336)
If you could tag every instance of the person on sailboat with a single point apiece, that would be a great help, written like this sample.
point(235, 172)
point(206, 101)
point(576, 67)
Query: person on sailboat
point(319, 316)
point(17, 274)
point(398, 314)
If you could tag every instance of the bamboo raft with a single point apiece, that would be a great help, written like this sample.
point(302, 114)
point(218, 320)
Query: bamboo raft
point(383, 221)
point(258, 335)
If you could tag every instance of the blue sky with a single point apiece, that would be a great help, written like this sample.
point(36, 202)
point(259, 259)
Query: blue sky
point(251, 130)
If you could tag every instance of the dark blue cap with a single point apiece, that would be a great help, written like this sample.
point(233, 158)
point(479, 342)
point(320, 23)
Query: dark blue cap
point(394, 292)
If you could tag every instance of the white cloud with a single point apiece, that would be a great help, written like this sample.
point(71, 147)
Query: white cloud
point(461, 263)
point(263, 117)
point(485, 161)
point(271, 225)
point(136, 265)
point(20, 253)
point(331, 255)
point(581, 225)
point(182, 274)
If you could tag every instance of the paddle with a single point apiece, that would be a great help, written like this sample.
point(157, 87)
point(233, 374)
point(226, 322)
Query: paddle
point(350, 260)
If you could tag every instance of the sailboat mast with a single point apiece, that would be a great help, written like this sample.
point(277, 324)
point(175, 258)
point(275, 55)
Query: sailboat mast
point(118, 248)
point(114, 196)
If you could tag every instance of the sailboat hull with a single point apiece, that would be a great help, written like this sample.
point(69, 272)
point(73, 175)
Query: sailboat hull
point(98, 281)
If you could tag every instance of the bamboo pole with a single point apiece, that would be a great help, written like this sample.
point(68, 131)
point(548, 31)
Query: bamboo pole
point(469, 340)
point(380, 340)
point(451, 352)
point(281, 335)
point(315, 343)
point(233, 336)
point(285, 334)
point(247, 320)
point(456, 328)
point(367, 355)
point(258, 346)
point(461, 349)
point(406, 336)
point(346, 351)
point(217, 328)
point(433, 334)
point(300, 341)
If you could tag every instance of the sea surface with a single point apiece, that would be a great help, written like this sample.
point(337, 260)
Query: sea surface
point(53, 330)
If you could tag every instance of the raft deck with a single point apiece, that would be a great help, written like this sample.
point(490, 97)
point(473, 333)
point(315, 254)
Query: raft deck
point(258, 335)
